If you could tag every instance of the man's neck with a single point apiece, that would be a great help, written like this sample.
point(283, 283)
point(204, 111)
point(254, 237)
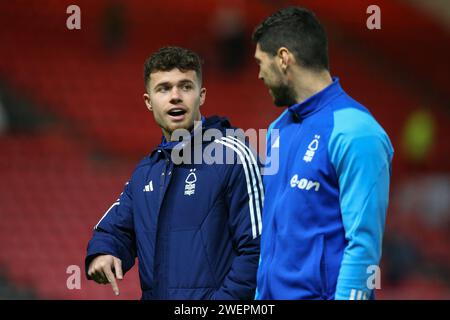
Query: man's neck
point(308, 83)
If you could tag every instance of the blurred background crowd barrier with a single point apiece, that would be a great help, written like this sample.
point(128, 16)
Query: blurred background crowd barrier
point(73, 123)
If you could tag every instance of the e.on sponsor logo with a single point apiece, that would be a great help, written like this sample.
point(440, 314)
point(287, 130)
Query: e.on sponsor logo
point(304, 184)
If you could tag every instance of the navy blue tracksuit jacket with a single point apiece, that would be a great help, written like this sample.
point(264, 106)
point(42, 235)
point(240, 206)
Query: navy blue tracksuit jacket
point(195, 228)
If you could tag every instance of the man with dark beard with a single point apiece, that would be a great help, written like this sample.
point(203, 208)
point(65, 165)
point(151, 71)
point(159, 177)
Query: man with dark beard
point(325, 209)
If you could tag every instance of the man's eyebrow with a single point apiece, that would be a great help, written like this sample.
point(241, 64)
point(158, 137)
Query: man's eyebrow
point(185, 81)
point(168, 83)
point(162, 84)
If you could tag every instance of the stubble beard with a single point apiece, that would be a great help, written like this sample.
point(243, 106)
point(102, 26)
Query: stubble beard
point(283, 96)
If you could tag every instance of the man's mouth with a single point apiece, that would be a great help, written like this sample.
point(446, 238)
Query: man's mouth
point(177, 114)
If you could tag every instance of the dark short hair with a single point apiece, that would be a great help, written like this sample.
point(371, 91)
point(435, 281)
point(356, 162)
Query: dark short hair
point(168, 58)
point(300, 31)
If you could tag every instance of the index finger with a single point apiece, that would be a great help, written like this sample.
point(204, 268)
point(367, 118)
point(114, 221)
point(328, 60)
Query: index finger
point(110, 276)
point(118, 268)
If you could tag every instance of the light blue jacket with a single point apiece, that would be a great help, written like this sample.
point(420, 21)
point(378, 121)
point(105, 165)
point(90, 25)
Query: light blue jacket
point(325, 209)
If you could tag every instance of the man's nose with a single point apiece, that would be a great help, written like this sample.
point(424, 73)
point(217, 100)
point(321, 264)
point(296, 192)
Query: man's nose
point(260, 77)
point(175, 94)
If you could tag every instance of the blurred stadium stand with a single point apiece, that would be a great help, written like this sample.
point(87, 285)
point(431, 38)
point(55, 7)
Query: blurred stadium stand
point(73, 124)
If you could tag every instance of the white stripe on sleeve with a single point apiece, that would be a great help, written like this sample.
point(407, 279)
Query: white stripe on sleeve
point(247, 178)
point(113, 205)
point(256, 181)
point(352, 294)
point(359, 297)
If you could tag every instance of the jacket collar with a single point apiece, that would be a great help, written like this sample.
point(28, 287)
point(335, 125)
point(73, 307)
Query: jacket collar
point(165, 147)
point(317, 101)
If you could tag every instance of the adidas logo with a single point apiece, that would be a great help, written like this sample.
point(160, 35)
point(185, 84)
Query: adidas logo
point(148, 187)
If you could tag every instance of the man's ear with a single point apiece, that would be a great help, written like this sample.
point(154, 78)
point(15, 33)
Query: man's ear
point(147, 101)
point(202, 96)
point(284, 58)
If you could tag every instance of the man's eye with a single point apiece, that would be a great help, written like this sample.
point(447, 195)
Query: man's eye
point(187, 87)
point(163, 89)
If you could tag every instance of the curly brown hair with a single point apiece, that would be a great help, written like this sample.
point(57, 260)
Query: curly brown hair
point(168, 58)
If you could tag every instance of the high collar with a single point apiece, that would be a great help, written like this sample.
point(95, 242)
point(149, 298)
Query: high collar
point(317, 101)
point(213, 122)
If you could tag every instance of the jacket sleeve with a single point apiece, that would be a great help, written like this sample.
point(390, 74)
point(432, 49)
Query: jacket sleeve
point(362, 162)
point(114, 233)
point(245, 198)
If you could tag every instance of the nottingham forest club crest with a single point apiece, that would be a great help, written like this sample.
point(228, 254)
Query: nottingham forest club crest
point(189, 187)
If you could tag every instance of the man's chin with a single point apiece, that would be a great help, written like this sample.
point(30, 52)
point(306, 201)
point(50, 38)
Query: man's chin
point(182, 127)
point(280, 103)
point(281, 97)
point(277, 103)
